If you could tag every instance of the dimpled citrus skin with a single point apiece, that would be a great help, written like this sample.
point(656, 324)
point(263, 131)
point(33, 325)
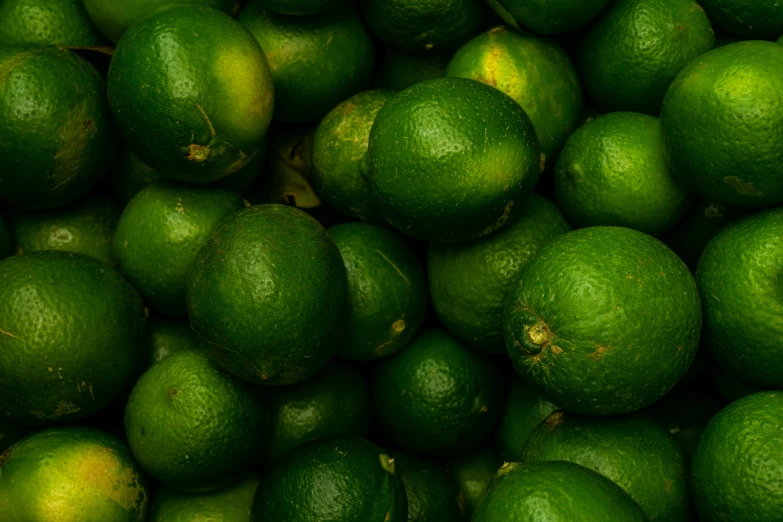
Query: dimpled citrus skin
point(399, 70)
point(525, 409)
point(52, 22)
point(743, 311)
point(736, 473)
point(469, 281)
point(537, 73)
point(84, 227)
point(71, 329)
point(346, 478)
point(631, 55)
point(548, 16)
point(231, 504)
point(473, 474)
point(191, 93)
point(192, 426)
point(572, 320)
point(432, 494)
point(71, 474)
point(555, 492)
point(56, 140)
point(450, 159)
point(756, 19)
point(612, 172)
point(316, 61)
point(245, 295)
point(632, 451)
point(387, 290)
point(722, 123)
point(437, 397)
point(168, 336)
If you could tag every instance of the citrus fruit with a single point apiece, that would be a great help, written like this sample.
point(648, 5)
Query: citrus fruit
point(335, 401)
point(114, 18)
point(432, 494)
point(50, 22)
point(736, 473)
point(347, 479)
point(168, 336)
point(192, 426)
point(737, 277)
point(573, 320)
point(54, 150)
point(85, 227)
point(197, 109)
point(159, 235)
point(245, 295)
point(71, 474)
point(634, 452)
point(473, 474)
point(231, 504)
point(469, 281)
point(555, 492)
point(398, 70)
point(723, 125)
point(302, 7)
point(423, 26)
point(387, 290)
point(316, 61)
point(759, 19)
point(339, 144)
point(70, 331)
point(548, 16)
point(525, 409)
point(537, 73)
point(5, 240)
point(631, 55)
point(437, 397)
point(449, 159)
point(612, 172)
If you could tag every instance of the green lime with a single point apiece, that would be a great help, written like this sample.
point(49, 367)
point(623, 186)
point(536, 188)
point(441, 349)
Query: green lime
point(48, 22)
point(303, 7)
point(469, 281)
point(432, 494)
point(605, 320)
point(197, 109)
point(71, 474)
point(757, 19)
point(548, 16)
point(316, 61)
point(722, 125)
point(398, 70)
point(347, 479)
point(473, 474)
point(159, 235)
point(168, 336)
point(231, 504)
point(526, 408)
point(477, 147)
point(53, 150)
point(246, 294)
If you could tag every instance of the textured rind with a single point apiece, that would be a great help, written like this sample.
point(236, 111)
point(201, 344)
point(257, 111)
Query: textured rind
point(756, 19)
point(622, 315)
point(549, 16)
point(47, 22)
point(231, 504)
point(738, 277)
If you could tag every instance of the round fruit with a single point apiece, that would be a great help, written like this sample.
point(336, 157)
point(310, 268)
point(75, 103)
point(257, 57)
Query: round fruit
point(631, 55)
point(387, 290)
point(548, 16)
point(231, 504)
point(303, 7)
point(399, 70)
point(555, 492)
point(437, 397)
point(743, 311)
point(84, 227)
point(605, 320)
point(71, 474)
point(469, 281)
point(70, 332)
point(333, 402)
point(737, 472)
point(159, 236)
point(477, 147)
point(759, 19)
point(167, 336)
point(612, 172)
point(246, 295)
point(5, 240)
point(723, 125)
point(634, 452)
point(197, 109)
point(537, 73)
point(48, 22)
point(114, 18)
point(473, 474)
point(347, 479)
point(340, 143)
point(55, 149)
point(525, 409)
point(432, 494)
point(316, 61)
point(423, 26)
point(192, 426)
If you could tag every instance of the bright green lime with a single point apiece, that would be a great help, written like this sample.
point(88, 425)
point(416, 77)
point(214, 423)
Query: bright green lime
point(398, 70)
point(525, 409)
point(48, 22)
point(231, 504)
point(473, 474)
